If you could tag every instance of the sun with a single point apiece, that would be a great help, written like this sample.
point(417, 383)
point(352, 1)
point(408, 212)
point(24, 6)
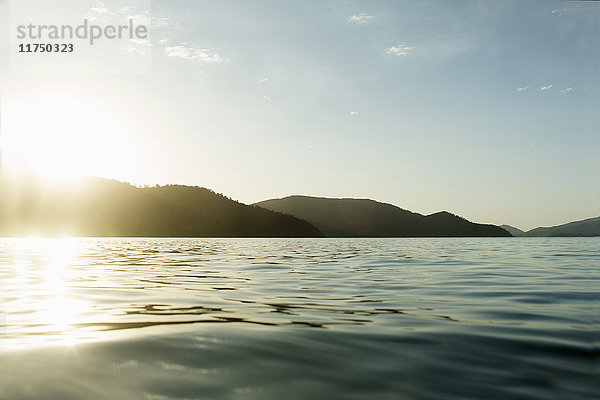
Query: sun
point(63, 135)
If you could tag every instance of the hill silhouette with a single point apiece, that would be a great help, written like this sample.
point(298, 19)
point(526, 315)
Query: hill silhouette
point(369, 218)
point(513, 231)
point(100, 207)
point(586, 227)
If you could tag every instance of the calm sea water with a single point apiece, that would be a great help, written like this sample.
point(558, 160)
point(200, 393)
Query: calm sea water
point(502, 318)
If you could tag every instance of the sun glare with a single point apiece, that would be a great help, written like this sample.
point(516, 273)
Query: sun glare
point(44, 267)
point(62, 136)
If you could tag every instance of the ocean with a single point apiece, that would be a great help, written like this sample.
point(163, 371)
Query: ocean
point(444, 318)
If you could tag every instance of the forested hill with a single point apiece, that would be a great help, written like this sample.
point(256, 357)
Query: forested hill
point(586, 227)
point(369, 218)
point(100, 207)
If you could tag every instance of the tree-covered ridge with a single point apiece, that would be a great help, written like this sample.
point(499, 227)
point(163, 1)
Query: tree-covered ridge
point(586, 227)
point(100, 207)
point(369, 218)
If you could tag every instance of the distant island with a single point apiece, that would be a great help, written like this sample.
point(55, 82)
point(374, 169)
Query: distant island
point(513, 231)
point(107, 208)
point(369, 218)
point(586, 227)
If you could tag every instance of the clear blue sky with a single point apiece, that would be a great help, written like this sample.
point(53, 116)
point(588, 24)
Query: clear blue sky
point(487, 109)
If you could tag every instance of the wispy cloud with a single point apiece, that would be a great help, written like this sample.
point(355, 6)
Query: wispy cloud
point(145, 17)
point(99, 12)
point(142, 18)
point(162, 22)
point(189, 51)
point(353, 113)
point(100, 8)
point(546, 87)
point(400, 50)
point(522, 89)
point(567, 90)
point(361, 18)
point(138, 46)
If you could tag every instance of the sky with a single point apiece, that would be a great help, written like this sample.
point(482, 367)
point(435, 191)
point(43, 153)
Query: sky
point(487, 109)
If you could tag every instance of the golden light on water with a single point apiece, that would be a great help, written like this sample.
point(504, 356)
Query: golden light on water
point(41, 305)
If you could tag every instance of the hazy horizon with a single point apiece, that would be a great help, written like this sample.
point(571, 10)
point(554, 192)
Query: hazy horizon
point(489, 111)
point(45, 187)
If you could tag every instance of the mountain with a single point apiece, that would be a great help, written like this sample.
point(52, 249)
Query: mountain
point(513, 231)
point(369, 218)
point(586, 227)
point(99, 207)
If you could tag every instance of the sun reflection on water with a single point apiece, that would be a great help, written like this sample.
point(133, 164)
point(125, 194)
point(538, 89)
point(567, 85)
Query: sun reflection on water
point(40, 305)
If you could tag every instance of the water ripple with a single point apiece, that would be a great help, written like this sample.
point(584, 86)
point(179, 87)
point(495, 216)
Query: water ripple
point(349, 317)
